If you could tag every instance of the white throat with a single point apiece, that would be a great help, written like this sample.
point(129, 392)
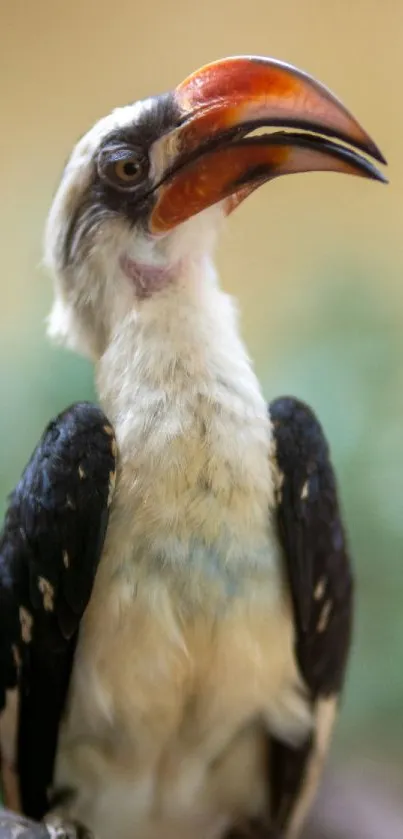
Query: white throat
point(178, 346)
point(191, 423)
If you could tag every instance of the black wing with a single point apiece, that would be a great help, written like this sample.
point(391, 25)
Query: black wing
point(49, 551)
point(319, 575)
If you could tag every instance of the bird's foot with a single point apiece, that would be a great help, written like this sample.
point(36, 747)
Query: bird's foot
point(59, 828)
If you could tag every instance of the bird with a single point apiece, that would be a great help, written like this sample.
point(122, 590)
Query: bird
point(177, 592)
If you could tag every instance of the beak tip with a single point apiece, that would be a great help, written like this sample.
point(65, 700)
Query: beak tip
point(376, 153)
point(375, 174)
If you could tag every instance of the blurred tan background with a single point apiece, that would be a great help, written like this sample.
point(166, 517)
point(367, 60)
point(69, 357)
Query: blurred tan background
point(316, 262)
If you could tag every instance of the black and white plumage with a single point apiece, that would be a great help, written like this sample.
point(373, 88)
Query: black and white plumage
point(195, 657)
point(49, 551)
point(71, 474)
point(319, 574)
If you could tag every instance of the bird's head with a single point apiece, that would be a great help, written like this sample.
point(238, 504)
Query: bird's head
point(144, 190)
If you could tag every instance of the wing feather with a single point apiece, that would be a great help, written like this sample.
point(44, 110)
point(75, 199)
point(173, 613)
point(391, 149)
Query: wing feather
point(49, 552)
point(318, 570)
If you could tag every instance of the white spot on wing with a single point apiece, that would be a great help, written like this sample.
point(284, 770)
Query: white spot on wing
point(26, 621)
point(320, 589)
point(304, 491)
point(325, 713)
point(16, 656)
point(81, 472)
point(324, 616)
point(48, 592)
point(66, 559)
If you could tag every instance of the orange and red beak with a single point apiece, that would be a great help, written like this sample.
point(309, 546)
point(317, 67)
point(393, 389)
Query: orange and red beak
point(210, 158)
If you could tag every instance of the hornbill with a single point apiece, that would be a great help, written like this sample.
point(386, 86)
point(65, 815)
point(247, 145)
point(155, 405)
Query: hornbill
point(175, 641)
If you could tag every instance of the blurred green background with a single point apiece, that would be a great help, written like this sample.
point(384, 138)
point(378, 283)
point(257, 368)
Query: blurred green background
point(316, 263)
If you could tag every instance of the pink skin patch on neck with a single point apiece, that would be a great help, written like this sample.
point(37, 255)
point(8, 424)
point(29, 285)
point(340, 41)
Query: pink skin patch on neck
point(146, 279)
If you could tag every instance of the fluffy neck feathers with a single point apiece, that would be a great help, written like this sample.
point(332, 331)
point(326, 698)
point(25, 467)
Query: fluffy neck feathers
point(178, 346)
point(192, 429)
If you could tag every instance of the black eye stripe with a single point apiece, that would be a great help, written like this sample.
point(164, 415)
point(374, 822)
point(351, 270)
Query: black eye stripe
point(69, 239)
point(103, 200)
point(88, 216)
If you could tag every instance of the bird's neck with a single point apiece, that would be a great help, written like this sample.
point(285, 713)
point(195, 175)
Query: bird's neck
point(193, 434)
point(176, 348)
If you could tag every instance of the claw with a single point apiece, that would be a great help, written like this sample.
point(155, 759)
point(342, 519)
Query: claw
point(59, 828)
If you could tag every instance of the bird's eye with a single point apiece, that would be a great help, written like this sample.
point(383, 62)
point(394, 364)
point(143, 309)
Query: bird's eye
point(123, 169)
point(129, 170)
